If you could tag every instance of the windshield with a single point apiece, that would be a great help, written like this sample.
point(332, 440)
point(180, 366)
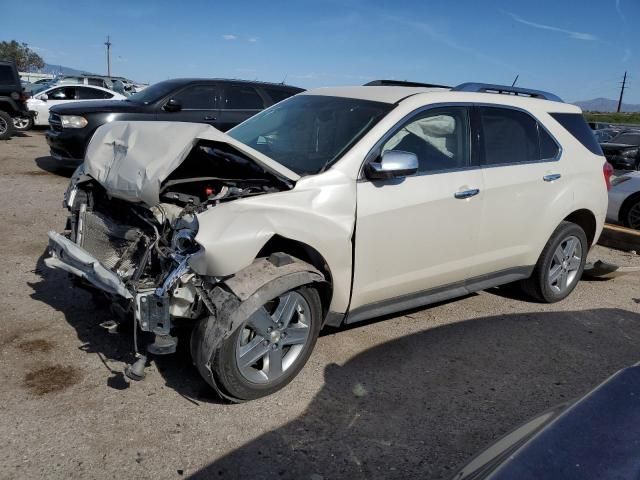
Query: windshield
point(307, 133)
point(154, 92)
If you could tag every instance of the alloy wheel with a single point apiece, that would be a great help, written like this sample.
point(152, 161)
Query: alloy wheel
point(565, 264)
point(3, 126)
point(21, 122)
point(633, 216)
point(273, 338)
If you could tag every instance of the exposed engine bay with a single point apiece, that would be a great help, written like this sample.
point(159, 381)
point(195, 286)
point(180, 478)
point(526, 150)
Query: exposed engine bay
point(145, 249)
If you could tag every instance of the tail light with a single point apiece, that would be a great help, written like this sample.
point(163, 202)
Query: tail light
point(607, 171)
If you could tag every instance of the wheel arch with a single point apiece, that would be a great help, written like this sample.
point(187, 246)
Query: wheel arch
point(586, 220)
point(278, 243)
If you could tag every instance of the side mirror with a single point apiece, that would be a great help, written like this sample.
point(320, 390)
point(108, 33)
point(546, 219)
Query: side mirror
point(172, 106)
point(393, 164)
point(44, 97)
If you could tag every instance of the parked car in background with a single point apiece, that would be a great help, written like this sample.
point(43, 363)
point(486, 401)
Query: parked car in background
point(623, 150)
point(595, 437)
point(41, 102)
point(12, 99)
point(250, 237)
point(220, 103)
point(606, 134)
point(624, 200)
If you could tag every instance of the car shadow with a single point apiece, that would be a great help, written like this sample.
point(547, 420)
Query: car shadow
point(417, 406)
point(422, 405)
point(51, 165)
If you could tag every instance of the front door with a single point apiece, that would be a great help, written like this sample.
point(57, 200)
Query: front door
point(419, 233)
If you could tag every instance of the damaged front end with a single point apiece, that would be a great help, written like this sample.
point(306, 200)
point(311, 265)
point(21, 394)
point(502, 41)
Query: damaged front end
point(133, 240)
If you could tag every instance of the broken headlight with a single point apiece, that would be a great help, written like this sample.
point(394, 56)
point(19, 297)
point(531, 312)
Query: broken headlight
point(183, 242)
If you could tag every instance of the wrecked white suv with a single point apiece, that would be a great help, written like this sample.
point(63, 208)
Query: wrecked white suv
point(332, 207)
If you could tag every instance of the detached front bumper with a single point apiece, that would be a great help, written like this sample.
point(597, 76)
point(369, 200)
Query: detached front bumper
point(68, 256)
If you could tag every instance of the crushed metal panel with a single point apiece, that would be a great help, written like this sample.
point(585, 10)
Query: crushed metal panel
point(67, 256)
point(132, 159)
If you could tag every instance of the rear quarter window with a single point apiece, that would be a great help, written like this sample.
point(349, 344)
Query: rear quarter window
point(576, 125)
point(6, 75)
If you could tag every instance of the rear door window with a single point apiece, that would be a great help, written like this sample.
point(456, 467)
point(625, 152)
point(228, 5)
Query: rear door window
point(198, 97)
point(242, 97)
point(511, 136)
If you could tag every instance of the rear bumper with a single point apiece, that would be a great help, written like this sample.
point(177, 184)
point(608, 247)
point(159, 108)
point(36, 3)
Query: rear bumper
point(67, 256)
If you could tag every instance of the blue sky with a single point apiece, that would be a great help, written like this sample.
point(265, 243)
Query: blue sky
point(576, 49)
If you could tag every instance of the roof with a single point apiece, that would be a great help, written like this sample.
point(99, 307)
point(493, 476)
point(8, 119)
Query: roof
point(229, 80)
point(374, 93)
point(396, 94)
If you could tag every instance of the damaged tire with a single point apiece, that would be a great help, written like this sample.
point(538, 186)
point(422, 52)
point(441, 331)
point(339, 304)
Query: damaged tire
point(267, 350)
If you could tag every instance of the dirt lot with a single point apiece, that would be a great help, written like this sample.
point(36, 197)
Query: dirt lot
point(412, 396)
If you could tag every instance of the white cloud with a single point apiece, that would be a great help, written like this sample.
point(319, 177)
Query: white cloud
point(252, 39)
point(570, 33)
point(230, 37)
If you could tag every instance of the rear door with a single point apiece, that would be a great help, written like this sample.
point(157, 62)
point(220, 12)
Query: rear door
point(199, 104)
point(88, 93)
point(522, 173)
point(239, 102)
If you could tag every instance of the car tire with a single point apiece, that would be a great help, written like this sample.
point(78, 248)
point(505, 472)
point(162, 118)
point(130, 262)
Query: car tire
point(6, 126)
point(630, 212)
point(241, 364)
point(559, 266)
point(22, 124)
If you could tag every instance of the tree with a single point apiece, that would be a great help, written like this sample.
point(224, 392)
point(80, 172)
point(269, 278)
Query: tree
point(25, 58)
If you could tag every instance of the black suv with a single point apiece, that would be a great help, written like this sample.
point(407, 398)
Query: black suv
point(12, 99)
point(220, 103)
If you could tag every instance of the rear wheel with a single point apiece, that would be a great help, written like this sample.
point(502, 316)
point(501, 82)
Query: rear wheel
point(560, 265)
point(269, 349)
point(630, 214)
point(22, 124)
point(6, 126)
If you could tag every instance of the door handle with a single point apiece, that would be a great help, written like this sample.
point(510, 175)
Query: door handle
point(467, 193)
point(551, 177)
point(210, 118)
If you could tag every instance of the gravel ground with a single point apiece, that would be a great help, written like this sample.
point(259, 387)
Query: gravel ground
point(409, 396)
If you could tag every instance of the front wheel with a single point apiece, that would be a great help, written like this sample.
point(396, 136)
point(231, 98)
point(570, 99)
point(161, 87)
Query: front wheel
point(6, 126)
point(560, 265)
point(269, 349)
point(22, 124)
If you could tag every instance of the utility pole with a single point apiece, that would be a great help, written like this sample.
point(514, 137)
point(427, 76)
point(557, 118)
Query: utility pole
point(624, 82)
point(108, 44)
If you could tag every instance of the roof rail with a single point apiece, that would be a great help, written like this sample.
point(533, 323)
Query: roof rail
point(401, 83)
point(521, 92)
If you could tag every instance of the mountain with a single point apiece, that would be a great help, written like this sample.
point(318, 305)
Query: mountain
point(60, 70)
point(605, 105)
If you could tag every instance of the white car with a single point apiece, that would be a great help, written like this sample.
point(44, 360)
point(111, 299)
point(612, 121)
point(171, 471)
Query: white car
point(624, 200)
point(334, 206)
point(62, 95)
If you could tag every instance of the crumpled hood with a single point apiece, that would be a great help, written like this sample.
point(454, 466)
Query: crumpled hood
point(132, 159)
